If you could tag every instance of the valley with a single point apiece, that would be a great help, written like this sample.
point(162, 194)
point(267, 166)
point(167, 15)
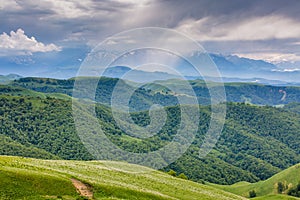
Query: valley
point(257, 142)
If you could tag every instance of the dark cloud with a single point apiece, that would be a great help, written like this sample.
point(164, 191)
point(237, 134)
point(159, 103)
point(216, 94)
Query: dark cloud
point(68, 22)
point(231, 9)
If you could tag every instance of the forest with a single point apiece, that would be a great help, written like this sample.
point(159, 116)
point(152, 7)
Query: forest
point(256, 143)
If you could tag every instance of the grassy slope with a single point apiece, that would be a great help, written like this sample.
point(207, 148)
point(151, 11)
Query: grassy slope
point(266, 189)
point(24, 178)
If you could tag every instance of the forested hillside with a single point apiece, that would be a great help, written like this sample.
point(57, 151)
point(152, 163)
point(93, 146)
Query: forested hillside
point(293, 107)
point(256, 143)
point(159, 92)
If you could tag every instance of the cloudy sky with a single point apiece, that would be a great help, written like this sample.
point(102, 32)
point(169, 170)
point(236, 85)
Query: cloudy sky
point(38, 35)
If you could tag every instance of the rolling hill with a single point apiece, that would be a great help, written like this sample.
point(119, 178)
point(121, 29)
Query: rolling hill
point(256, 144)
point(24, 178)
point(20, 91)
point(268, 188)
point(157, 92)
point(248, 149)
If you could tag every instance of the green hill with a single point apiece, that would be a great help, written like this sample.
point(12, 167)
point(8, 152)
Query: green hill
point(253, 93)
point(257, 142)
point(159, 93)
point(247, 150)
point(268, 188)
point(20, 91)
point(24, 178)
point(293, 107)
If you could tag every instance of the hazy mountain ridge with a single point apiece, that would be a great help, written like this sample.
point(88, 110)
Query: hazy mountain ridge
point(230, 66)
point(10, 77)
point(141, 76)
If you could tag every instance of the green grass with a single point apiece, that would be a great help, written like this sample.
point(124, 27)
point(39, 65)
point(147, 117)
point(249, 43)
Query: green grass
point(25, 178)
point(27, 184)
point(266, 189)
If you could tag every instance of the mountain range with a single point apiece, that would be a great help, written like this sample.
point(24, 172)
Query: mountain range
point(230, 66)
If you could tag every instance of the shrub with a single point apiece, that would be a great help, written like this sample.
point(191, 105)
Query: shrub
point(295, 191)
point(172, 172)
point(252, 194)
point(183, 176)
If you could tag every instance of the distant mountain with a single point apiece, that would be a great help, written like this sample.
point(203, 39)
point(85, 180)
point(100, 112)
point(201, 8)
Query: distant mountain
point(56, 64)
point(246, 80)
point(232, 69)
point(66, 63)
point(116, 71)
point(232, 66)
point(10, 77)
point(250, 64)
point(139, 76)
point(245, 68)
point(146, 77)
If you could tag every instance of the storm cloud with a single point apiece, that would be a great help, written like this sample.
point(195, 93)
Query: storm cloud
point(257, 28)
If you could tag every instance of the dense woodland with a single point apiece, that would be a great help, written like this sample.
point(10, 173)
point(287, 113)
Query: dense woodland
point(158, 92)
point(256, 143)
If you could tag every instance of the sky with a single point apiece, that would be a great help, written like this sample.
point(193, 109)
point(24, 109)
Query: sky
point(37, 37)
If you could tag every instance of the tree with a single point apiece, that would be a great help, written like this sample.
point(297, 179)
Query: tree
point(183, 176)
point(295, 191)
point(281, 187)
point(252, 194)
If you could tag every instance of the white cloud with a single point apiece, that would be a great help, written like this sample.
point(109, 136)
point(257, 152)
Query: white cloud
point(135, 2)
point(255, 28)
point(286, 70)
point(296, 43)
point(17, 43)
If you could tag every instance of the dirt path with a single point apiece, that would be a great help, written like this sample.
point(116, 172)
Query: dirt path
point(82, 188)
